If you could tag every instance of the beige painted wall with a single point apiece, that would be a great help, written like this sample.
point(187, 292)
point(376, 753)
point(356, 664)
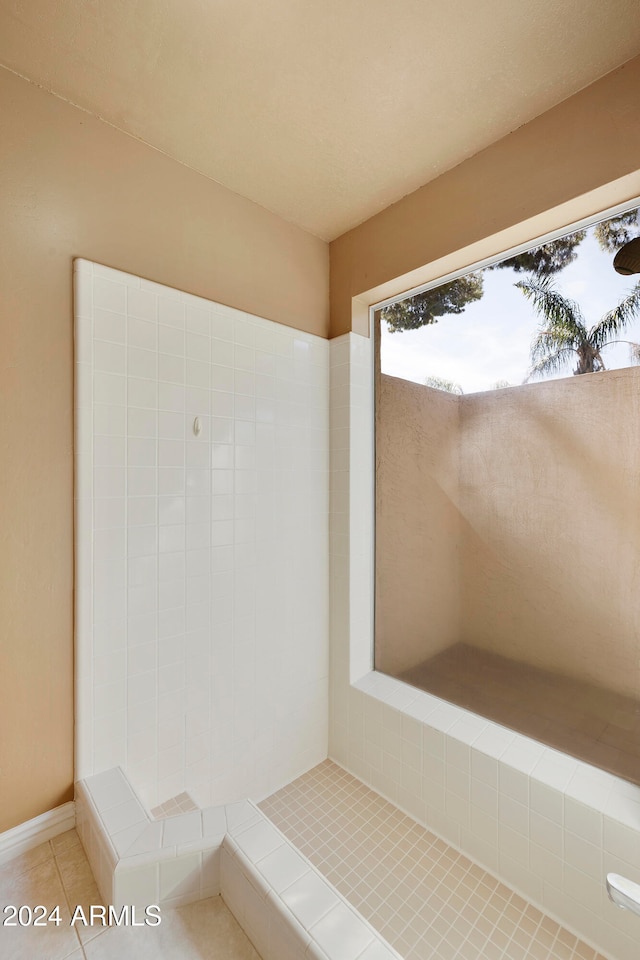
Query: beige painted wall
point(537, 540)
point(418, 533)
point(71, 186)
point(484, 204)
point(551, 545)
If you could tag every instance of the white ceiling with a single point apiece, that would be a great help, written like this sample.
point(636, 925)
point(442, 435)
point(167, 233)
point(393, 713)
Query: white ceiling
point(323, 111)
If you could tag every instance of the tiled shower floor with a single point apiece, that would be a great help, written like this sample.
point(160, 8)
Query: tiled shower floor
point(182, 803)
point(596, 725)
point(429, 901)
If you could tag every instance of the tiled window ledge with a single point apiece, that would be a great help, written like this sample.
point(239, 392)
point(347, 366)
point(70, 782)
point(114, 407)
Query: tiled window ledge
point(288, 910)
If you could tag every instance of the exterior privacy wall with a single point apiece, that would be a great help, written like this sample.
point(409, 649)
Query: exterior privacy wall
point(418, 523)
point(202, 542)
point(540, 531)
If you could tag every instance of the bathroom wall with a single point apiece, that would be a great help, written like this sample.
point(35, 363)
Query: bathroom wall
point(515, 189)
point(418, 523)
point(536, 541)
point(202, 546)
point(71, 185)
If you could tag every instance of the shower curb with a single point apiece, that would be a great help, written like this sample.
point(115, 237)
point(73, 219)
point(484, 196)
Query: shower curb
point(286, 907)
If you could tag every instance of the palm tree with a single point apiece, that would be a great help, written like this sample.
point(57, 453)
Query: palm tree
point(565, 334)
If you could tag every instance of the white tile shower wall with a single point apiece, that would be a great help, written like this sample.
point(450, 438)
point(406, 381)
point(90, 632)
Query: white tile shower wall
point(202, 542)
point(550, 826)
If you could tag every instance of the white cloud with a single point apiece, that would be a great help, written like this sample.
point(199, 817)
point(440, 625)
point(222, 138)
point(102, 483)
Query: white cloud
point(491, 339)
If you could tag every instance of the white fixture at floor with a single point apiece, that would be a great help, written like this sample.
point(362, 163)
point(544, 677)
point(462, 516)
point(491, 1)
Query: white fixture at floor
point(624, 893)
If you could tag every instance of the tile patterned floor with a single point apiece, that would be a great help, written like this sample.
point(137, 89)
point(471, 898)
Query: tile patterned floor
point(588, 722)
point(182, 803)
point(58, 873)
point(426, 899)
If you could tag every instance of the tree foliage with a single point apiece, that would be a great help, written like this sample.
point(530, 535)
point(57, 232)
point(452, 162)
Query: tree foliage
point(453, 297)
point(543, 261)
point(564, 336)
point(425, 308)
point(547, 259)
point(441, 383)
point(614, 233)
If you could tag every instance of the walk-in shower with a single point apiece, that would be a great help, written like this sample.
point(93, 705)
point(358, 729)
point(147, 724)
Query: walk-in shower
point(538, 819)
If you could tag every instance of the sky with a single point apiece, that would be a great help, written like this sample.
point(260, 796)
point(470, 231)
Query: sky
point(491, 339)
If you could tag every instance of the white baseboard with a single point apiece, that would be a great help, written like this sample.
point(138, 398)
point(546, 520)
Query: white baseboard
point(34, 832)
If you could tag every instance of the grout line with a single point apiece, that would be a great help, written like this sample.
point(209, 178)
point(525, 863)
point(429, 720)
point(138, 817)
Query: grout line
point(412, 886)
point(70, 906)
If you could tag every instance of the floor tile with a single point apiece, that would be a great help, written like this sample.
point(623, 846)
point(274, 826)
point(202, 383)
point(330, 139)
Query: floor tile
point(205, 930)
point(39, 886)
point(25, 861)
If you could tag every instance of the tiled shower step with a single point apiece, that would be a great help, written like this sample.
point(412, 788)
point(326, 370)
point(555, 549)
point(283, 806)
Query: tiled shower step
point(428, 900)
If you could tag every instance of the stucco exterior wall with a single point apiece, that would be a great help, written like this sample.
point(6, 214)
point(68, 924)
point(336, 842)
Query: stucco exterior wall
point(537, 538)
point(551, 550)
point(418, 523)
